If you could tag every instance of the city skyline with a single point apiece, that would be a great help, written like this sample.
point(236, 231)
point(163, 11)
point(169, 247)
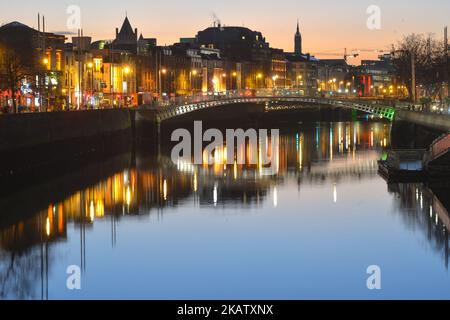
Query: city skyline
point(346, 28)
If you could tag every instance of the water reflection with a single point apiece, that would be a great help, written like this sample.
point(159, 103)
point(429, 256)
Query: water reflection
point(425, 210)
point(325, 153)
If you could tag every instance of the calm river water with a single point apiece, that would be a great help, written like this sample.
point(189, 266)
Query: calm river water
point(155, 230)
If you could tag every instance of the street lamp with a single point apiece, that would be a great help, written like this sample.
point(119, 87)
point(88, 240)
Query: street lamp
point(258, 77)
point(43, 92)
point(91, 68)
point(299, 78)
point(161, 72)
point(275, 78)
point(193, 73)
point(126, 70)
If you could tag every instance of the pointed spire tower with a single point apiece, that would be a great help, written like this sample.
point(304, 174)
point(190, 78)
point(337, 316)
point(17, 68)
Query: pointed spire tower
point(298, 40)
point(126, 35)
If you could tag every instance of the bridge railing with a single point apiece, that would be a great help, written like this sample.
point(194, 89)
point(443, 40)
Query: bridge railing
point(440, 146)
point(251, 93)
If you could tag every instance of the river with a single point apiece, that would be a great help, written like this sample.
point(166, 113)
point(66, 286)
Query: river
point(152, 229)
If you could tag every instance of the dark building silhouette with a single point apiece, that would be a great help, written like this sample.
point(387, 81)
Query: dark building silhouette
point(235, 43)
point(298, 41)
point(39, 56)
point(126, 38)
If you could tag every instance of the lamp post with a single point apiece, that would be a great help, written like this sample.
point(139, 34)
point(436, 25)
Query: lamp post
point(43, 98)
point(91, 70)
point(223, 83)
point(161, 72)
point(192, 75)
point(413, 72)
point(126, 71)
point(299, 78)
point(274, 79)
point(259, 76)
point(234, 81)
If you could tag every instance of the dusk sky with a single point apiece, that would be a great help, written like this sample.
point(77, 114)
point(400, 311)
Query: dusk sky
point(326, 25)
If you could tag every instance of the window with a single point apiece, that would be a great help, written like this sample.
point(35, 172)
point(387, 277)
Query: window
point(58, 61)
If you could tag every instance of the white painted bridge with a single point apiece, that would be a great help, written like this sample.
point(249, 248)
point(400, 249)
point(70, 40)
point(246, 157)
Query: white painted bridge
point(183, 105)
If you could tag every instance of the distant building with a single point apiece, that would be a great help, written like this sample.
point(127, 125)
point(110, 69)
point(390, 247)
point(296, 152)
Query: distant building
point(144, 45)
point(302, 69)
point(236, 43)
point(244, 46)
point(298, 41)
point(126, 38)
point(303, 73)
point(335, 77)
point(377, 77)
point(38, 56)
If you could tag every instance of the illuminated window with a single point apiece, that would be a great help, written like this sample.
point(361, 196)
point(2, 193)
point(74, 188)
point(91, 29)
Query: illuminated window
point(58, 61)
point(98, 64)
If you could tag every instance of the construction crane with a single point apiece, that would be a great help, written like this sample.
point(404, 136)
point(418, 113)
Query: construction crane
point(355, 53)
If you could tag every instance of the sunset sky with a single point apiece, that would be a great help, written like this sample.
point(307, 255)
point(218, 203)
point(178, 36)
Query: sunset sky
point(327, 26)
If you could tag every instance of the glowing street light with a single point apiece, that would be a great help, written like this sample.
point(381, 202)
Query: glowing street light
point(90, 65)
point(126, 70)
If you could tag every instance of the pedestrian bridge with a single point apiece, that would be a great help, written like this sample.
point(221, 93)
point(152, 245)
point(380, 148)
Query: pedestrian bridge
point(166, 110)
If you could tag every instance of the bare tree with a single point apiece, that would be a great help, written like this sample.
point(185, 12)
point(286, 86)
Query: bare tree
point(12, 72)
point(429, 59)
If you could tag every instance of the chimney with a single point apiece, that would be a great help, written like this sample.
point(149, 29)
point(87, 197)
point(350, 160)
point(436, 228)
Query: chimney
point(117, 32)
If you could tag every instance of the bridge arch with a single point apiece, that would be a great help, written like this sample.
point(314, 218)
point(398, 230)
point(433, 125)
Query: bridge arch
point(184, 105)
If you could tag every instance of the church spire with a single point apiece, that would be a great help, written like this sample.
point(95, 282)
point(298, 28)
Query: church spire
point(298, 40)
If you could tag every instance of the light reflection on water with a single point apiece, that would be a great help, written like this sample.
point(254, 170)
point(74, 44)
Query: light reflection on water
point(158, 230)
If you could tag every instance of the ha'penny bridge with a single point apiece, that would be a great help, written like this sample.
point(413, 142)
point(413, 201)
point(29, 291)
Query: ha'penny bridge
point(270, 98)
